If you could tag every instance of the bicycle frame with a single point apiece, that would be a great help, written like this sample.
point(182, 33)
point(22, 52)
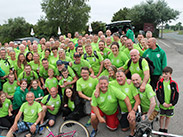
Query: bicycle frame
point(61, 134)
point(164, 134)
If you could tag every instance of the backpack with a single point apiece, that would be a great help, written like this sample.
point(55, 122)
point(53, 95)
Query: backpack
point(95, 55)
point(150, 64)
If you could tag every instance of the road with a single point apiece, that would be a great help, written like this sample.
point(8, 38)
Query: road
point(172, 44)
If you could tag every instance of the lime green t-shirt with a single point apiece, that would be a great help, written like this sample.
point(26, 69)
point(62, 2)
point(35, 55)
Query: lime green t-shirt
point(4, 109)
point(44, 73)
point(77, 67)
point(34, 66)
point(33, 75)
point(61, 82)
point(145, 98)
point(13, 62)
point(19, 70)
point(167, 95)
point(108, 101)
point(49, 83)
point(86, 86)
point(31, 111)
point(127, 51)
point(5, 66)
point(10, 88)
point(105, 52)
point(71, 105)
point(104, 73)
point(118, 61)
point(52, 101)
point(53, 60)
point(134, 68)
point(128, 90)
point(71, 72)
point(94, 61)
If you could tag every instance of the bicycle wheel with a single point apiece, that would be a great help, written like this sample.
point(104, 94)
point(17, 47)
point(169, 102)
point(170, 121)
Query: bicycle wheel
point(70, 126)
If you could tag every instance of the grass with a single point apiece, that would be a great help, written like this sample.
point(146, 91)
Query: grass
point(180, 32)
point(167, 31)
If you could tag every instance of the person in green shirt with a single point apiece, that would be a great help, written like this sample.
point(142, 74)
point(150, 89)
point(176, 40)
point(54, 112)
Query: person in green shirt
point(10, 86)
point(5, 64)
point(28, 74)
point(117, 58)
point(148, 101)
point(32, 112)
point(134, 68)
point(2, 74)
point(70, 52)
point(36, 63)
point(38, 92)
point(51, 81)
point(131, 92)
point(73, 106)
point(107, 64)
point(6, 119)
point(54, 57)
point(66, 80)
point(103, 50)
point(158, 56)
point(130, 45)
point(62, 56)
point(51, 106)
point(106, 105)
point(43, 72)
point(79, 63)
point(167, 93)
point(130, 34)
point(94, 58)
point(19, 96)
point(85, 87)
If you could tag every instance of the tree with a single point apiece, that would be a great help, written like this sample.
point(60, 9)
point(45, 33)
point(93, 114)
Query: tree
point(14, 28)
point(70, 15)
point(121, 15)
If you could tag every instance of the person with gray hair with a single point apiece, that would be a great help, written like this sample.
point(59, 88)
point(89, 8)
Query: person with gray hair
point(106, 105)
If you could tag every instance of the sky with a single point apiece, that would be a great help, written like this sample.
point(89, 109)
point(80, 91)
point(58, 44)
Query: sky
point(101, 10)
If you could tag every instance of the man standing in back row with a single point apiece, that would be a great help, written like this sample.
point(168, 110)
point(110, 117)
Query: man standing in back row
point(158, 56)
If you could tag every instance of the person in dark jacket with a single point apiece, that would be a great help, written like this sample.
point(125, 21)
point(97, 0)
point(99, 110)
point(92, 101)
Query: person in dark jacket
point(167, 94)
point(73, 106)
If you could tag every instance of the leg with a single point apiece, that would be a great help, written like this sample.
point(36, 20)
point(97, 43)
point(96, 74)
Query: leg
point(124, 122)
point(94, 121)
point(5, 122)
point(132, 127)
point(161, 122)
point(167, 121)
point(43, 114)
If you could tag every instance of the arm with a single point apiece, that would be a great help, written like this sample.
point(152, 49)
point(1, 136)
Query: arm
point(145, 80)
point(92, 73)
point(97, 113)
point(9, 110)
point(33, 127)
point(176, 97)
point(152, 106)
point(8, 96)
point(83, 96)
point(101, 68)
point(137, 102)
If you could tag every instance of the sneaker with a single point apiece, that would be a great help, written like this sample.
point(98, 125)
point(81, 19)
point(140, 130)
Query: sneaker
point(93, 133)
point(88, 123)
point(160, 130)
point(41, 130)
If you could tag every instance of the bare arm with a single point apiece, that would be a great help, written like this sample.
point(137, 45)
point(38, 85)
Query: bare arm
point(97, 113)
point(101, 68)
point(152, 106)
point(8, 96)
point(83, 96)
point(145, 80)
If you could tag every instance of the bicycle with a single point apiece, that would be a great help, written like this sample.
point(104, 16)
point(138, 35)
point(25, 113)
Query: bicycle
point(69, 128)
point(144, 128)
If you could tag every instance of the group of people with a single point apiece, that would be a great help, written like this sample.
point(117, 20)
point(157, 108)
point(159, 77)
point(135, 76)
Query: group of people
point(88, 75)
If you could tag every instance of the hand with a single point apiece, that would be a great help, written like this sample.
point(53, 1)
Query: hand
point(89, 99)
point(144, 117)
point(14, 127)
point(10, 114)
point(97, 93)
point(65, 105)
point(102, 120)
point(51, 108)
point(33, 128)
point(128, 81)
point(93, 76)
point(108, 52)
point(43, 87)
point(70, 64)
point(131, 116)
point(166, 105)
point(102, 53)
point(60, 77)
point(142, 87)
